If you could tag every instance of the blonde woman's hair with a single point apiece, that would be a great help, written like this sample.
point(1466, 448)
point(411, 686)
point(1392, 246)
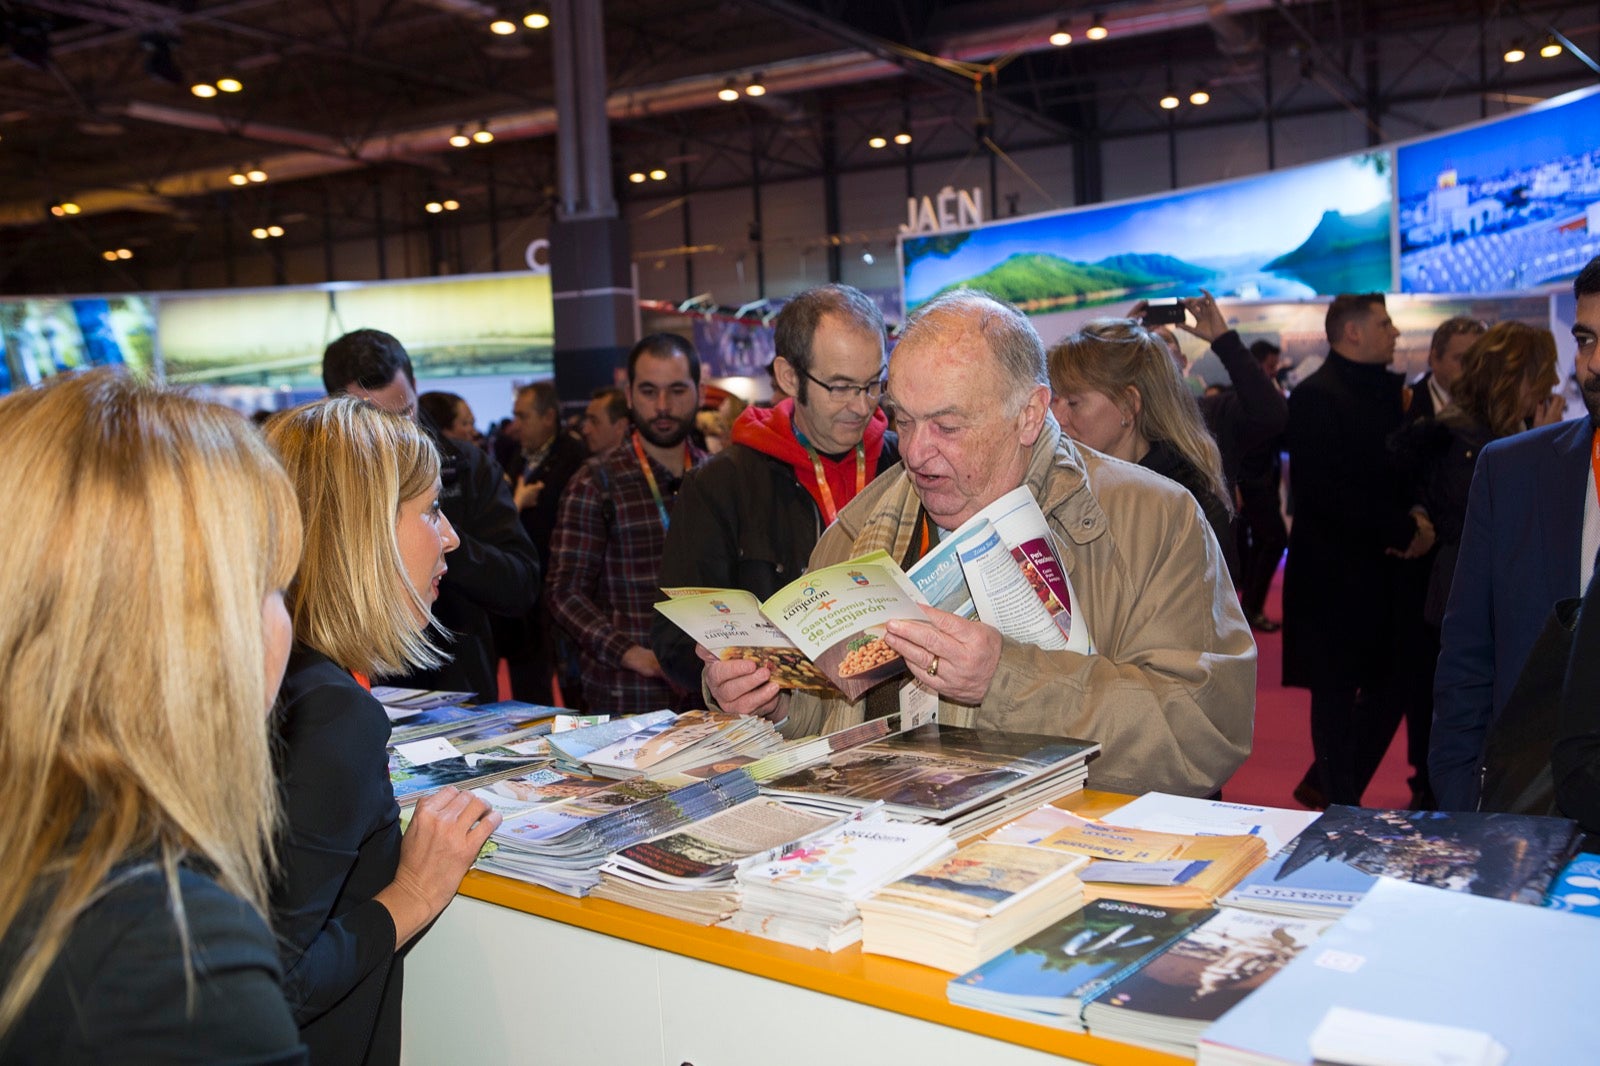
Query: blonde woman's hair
point(1495, 369)
point(353, 465)
point(1108, 355)
point(145, 530)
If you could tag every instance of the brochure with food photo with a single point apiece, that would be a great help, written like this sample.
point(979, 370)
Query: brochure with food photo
point(823, 632)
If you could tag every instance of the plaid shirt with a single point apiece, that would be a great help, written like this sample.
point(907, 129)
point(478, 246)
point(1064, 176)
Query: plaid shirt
point(604, 577)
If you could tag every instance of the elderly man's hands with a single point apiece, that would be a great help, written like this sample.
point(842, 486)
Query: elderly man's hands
point(741, 686)
point(951, 655)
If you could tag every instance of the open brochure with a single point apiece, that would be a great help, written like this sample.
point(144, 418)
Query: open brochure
point(1001, 567)
point(822, 632)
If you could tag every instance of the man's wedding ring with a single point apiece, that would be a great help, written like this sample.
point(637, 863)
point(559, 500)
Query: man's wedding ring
point(933, 666)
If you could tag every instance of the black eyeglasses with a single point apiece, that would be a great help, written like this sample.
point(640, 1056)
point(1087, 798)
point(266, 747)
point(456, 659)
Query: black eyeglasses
point(871, 391)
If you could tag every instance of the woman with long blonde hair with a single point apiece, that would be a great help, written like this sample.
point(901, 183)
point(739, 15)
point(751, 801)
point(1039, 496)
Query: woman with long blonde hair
point(1115, 388)
point(149, 537)
point(353, 895)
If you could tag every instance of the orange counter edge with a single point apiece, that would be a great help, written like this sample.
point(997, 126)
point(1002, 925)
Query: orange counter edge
point(875, 980)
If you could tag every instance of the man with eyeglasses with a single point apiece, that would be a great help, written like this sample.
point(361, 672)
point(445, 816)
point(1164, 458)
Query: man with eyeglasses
point(749, 518)
point(1160, 667)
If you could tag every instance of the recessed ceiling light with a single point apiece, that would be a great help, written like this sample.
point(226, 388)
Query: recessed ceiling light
point(503, 27)
point(204, 90)
point(1169, 101)
point(230, 85)
point(876, 142)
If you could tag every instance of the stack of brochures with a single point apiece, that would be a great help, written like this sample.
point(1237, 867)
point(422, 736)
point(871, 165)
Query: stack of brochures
point(968, 780)
point(465, 747)
point(955, 912)
point(1342, 854)
point(808, 896)
point(1414, 974)
point(1050, 976)
point(694, 738)
point(1140, 865)
point(562, 845)
point(401, 704)
point(1165, 813)
point(572, 747)
point(539, 787)
point(688, 873)
point(1168, 1002)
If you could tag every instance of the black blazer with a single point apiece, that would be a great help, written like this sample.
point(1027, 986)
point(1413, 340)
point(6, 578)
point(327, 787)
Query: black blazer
point(118, 990)
point(341, 847)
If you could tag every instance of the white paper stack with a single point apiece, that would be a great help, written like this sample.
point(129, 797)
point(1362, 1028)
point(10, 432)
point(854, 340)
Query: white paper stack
point(808, 896)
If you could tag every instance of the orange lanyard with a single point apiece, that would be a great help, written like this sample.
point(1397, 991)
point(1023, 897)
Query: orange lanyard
point(1594, 462)
point(362, 679)
point(650, 476)
point(829, 511)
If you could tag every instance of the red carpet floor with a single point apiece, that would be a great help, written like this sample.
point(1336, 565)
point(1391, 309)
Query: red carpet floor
point(1282, 748)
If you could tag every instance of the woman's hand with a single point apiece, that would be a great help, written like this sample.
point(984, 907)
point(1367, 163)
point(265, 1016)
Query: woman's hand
point(447, 831)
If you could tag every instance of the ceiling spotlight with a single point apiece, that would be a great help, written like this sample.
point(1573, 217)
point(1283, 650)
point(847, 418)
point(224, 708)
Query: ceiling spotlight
point(536, 20)
point(876, 142)
point(637, 177)
point(902, 138)
point(503, 27)
point(459, 139)
point(259, 233)
point(1061, 38)
point(658, 174)
point(867, 257)
point(1199, 98)
point(1169, 101)
point(1550, 48)
point(433, 207)
point(728, 93)
point(256, 175)
point(124, 253)
point(1516, 53)
point(483, 135)
point(238, 177)
point(204, 90)
point(1097, 28)
point(69, 208)
point(109, 256)
point(755, 88)
point(453, 205)
point(230, 85)
point(274, 231)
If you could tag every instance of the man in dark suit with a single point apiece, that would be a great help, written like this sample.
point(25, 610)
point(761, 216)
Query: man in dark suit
point(549, 458)
point(1430, 393)
point(1532, 529)
point(1352, 518)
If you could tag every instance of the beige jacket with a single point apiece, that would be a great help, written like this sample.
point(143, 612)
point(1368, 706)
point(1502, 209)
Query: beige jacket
point(1169, 691)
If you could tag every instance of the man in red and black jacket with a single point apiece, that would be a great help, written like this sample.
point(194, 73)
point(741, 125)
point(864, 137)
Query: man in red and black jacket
point(749, 518)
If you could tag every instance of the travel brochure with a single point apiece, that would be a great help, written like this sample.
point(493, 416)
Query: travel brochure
point(828, 622)
point(824, 632)
point(934, 772)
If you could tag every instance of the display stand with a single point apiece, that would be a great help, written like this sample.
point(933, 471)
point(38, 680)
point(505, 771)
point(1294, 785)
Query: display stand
point(514, 973)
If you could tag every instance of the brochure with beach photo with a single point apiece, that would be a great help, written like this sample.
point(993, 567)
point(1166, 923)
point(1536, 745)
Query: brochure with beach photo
point(1001, 567)
point(822, 632)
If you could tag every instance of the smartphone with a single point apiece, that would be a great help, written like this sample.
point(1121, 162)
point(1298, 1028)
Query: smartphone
point(1167, 312)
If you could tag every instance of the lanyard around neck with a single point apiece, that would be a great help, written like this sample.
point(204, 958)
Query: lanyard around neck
point(650, 476)
point(829, 510)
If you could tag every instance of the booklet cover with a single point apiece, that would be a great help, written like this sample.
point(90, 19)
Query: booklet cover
point(935, 771)
point(833, 617)
point(1341, 855)
point(1412, 953)
point(1053, 973)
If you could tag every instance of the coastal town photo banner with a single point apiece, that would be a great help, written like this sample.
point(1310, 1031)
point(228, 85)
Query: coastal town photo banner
point(1330, 232)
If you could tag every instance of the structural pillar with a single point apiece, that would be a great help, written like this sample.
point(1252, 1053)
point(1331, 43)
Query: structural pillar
point(591, 275)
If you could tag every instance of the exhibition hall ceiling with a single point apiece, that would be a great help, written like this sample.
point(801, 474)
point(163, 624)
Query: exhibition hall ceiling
point(332, 120)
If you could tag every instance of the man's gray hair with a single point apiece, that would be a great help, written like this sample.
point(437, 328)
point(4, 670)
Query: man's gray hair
point(1011, 337)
